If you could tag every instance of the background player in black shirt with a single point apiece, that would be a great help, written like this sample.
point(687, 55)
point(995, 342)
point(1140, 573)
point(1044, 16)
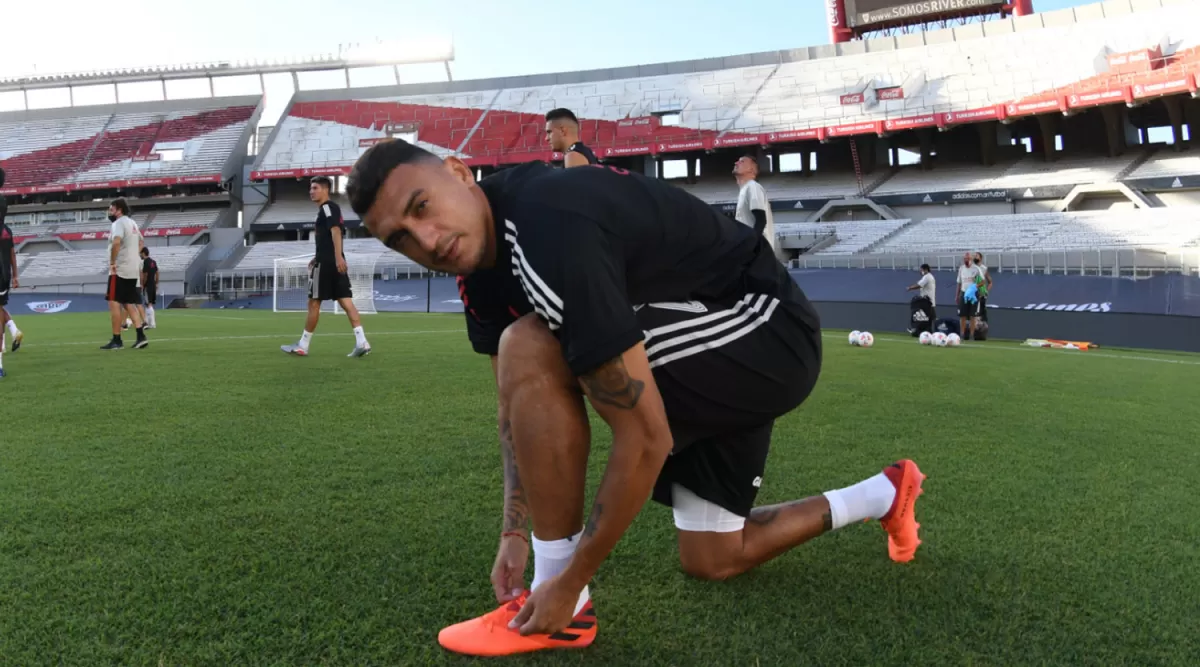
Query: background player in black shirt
point(149, 279)
point(680, 326)
point(327, 272)
point(8, 278)
point(562, 131)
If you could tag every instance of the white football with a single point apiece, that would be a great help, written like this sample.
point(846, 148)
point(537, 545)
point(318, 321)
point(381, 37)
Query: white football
point(953, 340)
point(865, 339)
point(939, 339)
point(854, 337)
point(925, 338)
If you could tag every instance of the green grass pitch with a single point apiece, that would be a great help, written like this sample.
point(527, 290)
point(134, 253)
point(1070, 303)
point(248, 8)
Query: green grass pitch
point(211, 501)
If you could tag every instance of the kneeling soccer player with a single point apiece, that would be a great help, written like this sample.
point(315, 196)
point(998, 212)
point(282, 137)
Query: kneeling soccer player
point(679, 325)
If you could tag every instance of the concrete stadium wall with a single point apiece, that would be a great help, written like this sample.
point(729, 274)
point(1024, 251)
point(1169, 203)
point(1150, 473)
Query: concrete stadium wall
point(1122, 330)
point(1182, 198)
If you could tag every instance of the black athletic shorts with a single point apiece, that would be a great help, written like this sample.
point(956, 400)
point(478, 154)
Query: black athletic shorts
point(968, 309)
point(5, 288)
point(123, 290)
point(151, 294)
point(326, 284)
point(726, 372)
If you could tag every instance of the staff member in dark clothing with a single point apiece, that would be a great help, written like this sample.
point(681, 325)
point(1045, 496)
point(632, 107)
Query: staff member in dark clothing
point(328, 278)
point(562, 131)
point(149, 288)
point(8, 277)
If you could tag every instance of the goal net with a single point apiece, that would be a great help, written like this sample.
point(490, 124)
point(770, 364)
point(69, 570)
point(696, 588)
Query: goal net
point(291, 284)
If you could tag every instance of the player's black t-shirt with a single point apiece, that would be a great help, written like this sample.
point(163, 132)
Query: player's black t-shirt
point(6, 245)
point(328, 217)
point(6, 248)
point(579, 147)
point(583, 247)
point(150, 268)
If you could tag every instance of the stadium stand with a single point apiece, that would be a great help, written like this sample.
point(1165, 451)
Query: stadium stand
point(262, 256)
point(783, 186)
point(92, 264)
point(850, 237)
point(285, 210)
point(939, 79)
point(1142, 228)
point(1165, 164)
point(144, 144)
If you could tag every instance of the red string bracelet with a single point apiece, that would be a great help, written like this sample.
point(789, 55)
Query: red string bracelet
point(514, 533)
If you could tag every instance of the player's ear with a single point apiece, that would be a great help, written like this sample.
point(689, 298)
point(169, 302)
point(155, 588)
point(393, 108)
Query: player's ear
point(459, 169)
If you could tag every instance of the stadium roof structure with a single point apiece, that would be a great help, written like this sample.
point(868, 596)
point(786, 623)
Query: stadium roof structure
point(354, 56)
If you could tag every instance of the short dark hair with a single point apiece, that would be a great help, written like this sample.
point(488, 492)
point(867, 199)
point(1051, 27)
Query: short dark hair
point(324, 181)
point(978, 256)
point(374, 167)
point(925, 268)
point(145, 251)
point(121, 205)
point(562, 114)
point(1, 177)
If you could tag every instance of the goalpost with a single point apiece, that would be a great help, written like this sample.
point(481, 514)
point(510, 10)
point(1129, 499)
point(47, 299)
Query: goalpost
point(290, 288)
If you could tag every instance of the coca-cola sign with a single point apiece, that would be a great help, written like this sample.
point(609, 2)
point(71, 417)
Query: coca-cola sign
point(833, 11)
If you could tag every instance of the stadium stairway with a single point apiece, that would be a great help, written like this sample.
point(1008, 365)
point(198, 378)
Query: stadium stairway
point(1135, 165)
point(884, 239)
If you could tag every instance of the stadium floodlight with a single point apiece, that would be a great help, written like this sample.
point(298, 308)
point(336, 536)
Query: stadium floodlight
point(425, 50)
point(417, 51)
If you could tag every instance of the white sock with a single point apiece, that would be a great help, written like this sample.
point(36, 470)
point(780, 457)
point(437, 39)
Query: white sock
point(12, 328)
point(869, 499)
point(305, 338)
point(128, 322)
point(150, 314)
point(551, 559)
point(360, 338)
point(1, 349)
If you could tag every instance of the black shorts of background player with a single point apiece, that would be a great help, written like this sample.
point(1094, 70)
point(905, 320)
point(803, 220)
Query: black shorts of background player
point(328, 274)
point(679, 325)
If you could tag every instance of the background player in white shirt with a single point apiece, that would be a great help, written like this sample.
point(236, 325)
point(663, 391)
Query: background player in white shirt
point(753, 209)
point(124, 244)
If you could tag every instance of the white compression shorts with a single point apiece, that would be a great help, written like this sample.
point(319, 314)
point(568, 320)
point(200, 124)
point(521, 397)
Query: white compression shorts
point(695, 514)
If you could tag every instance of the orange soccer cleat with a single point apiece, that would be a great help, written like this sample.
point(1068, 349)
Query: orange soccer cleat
point(901, 520)
point(489, 635)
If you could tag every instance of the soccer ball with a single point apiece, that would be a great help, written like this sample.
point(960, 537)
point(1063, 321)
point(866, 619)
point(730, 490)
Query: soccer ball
point(953, 340)
point(865, 339)
point(939, 339)
point(854, 337)
point(925, 338)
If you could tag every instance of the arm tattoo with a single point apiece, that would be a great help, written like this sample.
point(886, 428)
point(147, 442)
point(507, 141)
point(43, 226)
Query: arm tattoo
point(610, 384)
point(590, 528)
point(516, 508)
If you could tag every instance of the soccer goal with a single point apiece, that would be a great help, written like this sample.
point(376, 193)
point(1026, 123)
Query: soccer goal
point(290, 290)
